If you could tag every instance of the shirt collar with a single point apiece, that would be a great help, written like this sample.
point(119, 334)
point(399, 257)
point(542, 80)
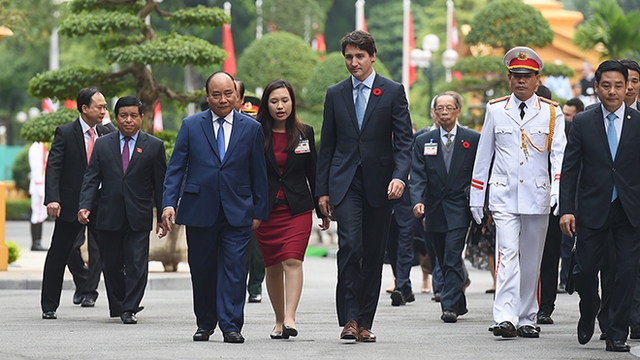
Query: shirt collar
point(368, 82)
point(619, 112)
point(228, 118)
point(134, 136)
point(453, 131)
point(85, 126)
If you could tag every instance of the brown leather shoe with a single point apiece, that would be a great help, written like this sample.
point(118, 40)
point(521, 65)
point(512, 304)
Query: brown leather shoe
point(350, 331)
point(366, 335)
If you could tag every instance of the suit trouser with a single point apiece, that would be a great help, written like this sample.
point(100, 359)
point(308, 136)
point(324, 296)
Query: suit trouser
point(86, 279)
point(362, 237)
point(217, 261)
point(519, 246)
point(256, 267)
point(549, 266)
point(437, 279)
point(62, 241)
point(634, 318)
point(125, 263)
point(449, 246)
point(590, 248)
point(400, 245)
point(607, 276)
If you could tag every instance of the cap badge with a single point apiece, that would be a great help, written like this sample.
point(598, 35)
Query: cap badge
point(522, 56)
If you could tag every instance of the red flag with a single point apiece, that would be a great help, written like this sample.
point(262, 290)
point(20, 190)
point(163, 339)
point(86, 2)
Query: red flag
point(321, 46)
point(413, 75)
point(71, 104)
point(229, 65)
point(47, 106)
point(364, 23)
point(453, 32)
point(157, 117)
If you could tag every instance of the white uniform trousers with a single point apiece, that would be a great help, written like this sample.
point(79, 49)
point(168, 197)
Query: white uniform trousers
point(519, 246)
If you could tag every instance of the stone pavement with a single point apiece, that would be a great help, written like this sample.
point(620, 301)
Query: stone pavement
point(165, 327)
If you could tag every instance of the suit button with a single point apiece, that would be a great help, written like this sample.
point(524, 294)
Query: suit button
point(614, 169)
point(360, 142)
point(521, 180)
point(280, 179)
point(521, 162)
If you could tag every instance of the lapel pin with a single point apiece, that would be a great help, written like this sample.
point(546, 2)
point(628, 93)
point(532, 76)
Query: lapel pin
point(628, 117)
point(139, 150)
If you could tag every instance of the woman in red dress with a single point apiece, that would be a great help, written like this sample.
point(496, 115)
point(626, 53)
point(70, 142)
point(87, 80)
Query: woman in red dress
point(291, 170)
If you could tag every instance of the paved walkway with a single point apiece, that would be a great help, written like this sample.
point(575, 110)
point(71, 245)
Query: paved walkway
point(165, 327)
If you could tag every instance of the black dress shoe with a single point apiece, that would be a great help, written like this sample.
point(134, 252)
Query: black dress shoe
point(49, 315)
point(202, 335)
point(397, 298)
point(233, 337)
point(603, 336)
point(585, 330)
point(77, 299)
point(436, 297)
point(634, 335)
point(449, 316)
point(88, 302)
point(528, 331)
point(505, 329)
point(289, 331)
point(128, 317)
point(410, 297)
point(278, 334)
point(462, 311)
point(544, 318)
point(255, 298)
point(617, 346)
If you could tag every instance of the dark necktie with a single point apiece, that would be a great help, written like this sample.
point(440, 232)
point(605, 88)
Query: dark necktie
point(522, 107)
point(449, 141)
point(125, 154)
point(220, 138)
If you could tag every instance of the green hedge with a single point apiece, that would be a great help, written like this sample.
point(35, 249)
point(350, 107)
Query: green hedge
point(18, 209)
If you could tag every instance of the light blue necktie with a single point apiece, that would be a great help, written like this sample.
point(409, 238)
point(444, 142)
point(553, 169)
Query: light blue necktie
point(220, 138)
point(612, 136)
point(360, 104)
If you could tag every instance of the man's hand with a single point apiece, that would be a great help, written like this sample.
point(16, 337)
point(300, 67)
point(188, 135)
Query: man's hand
point(256, 224)
point(168, 217)
point(325, 208)
point(83, 216)
point(326, 222)
point(477, 213)
point(418, 210)
point(395, 189)
point(53, 209)
point(162, 230)
point(568, 224)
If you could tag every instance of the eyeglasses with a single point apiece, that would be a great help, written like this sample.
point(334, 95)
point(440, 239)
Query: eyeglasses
point(449, 108)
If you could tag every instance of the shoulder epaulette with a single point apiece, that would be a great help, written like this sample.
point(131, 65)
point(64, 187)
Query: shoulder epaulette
point(493, 101)
point(549, 101)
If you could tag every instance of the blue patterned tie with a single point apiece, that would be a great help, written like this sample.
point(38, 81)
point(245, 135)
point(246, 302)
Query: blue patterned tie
point(220, 138)
point(612, 136)
point(360, 104)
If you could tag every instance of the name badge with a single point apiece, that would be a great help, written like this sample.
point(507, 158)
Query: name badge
point(430, 149)
point(303, 147)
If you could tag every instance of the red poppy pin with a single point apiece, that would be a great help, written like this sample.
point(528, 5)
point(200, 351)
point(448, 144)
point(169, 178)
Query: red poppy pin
point(465, 144)
point(139, 150)
point(377, 92)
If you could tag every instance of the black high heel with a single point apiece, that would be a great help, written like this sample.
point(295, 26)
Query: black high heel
point(289, 331)
point(278, 334)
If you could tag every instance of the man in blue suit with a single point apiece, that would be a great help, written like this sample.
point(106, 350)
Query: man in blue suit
point(363, 167)
point(219, 161)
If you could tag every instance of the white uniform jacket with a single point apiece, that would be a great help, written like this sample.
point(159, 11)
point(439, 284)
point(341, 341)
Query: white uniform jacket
point(519, 180)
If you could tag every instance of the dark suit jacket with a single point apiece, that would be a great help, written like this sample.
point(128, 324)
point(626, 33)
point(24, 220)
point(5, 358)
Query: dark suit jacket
point(589, 170)
point(132, 193)
point(298, 175)
point(65, 168)
point(383, 146)
point(445, 195)
point(238, 183)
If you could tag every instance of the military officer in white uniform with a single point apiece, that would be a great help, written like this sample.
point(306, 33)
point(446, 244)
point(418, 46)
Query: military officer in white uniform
point(523, 134)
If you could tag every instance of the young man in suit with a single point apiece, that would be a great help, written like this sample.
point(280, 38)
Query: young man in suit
point(363, 167)
point(440, 177)
point(68, 159)
point(522, 135)
point(124, 180)
point(600, 196)
point(224, 198)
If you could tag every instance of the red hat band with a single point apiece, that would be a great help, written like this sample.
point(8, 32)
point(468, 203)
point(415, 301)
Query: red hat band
point(526, 63)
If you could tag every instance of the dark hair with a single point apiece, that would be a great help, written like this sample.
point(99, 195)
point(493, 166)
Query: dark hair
point(240, 89)
point(293, 127)
point(204, 105)
point(206, 84)
point(129, 101)
point(544, 91)
point(360, 39)
point(612, 65)
point(577, 103)
point(84, 97)
point(455, 99)
point(631, 64)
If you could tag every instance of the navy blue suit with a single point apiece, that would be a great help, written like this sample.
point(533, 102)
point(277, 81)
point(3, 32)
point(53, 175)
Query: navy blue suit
point(218, 204)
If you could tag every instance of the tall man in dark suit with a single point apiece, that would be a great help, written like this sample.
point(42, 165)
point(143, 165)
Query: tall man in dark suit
point(124, 179)
point(363, 166)
point(440, 177)
point(68, 159)
point(225, 197)
point(600, 195)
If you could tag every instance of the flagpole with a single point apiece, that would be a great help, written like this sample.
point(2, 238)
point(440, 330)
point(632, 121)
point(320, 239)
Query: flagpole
point(449, 22)
point(259, 19)
point(360, 14)
point(405, 46)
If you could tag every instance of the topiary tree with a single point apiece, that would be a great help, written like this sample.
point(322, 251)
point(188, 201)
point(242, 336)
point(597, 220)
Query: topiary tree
point(130, 44)
point(278, 55)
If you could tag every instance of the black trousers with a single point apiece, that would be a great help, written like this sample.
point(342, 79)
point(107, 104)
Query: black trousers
point(549, 266)
point(591, 246)
point(449, 246)
point(362, 237)
point(86, 278)
point(400, 244)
